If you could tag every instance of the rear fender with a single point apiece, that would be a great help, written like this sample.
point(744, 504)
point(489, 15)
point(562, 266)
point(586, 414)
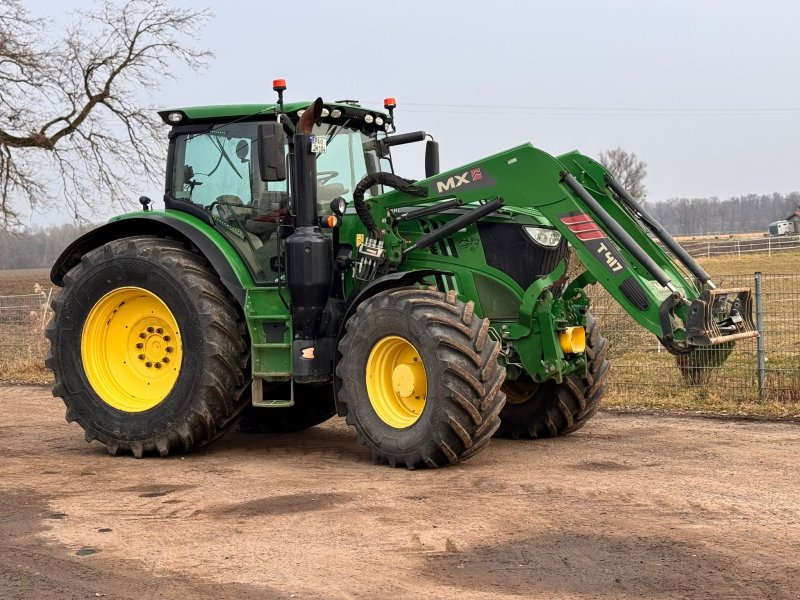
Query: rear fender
point(209, 243)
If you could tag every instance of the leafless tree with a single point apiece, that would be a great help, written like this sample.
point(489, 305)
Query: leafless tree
point(71, 129)
point(628, 169)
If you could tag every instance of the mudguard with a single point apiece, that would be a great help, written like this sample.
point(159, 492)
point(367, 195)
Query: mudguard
point(186, 228)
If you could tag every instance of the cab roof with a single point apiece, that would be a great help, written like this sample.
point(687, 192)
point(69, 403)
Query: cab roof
point(224, 112)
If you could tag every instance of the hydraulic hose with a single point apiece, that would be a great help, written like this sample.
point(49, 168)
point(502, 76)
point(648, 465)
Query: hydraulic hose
point(388, 179)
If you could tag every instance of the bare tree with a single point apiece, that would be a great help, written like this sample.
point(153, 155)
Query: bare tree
point(628, 169)
point(69, 117)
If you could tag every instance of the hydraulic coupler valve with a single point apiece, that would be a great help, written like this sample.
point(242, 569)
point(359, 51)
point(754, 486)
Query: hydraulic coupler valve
point(370, 257)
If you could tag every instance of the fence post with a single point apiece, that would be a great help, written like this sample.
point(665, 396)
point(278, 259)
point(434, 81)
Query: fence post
point(760, 347)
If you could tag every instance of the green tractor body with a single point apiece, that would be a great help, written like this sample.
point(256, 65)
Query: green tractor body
point(292, 275)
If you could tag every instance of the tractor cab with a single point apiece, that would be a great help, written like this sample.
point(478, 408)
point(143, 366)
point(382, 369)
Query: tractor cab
point(214, 169)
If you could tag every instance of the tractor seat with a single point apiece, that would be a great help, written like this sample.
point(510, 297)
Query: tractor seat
point(326, 193)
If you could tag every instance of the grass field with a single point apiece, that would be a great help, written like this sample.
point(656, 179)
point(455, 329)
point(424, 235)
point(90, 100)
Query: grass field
point(645, 379)
point(784, 263)
point(22, 281)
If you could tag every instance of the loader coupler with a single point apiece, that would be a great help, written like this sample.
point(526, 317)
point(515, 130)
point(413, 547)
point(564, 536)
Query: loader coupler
point(721, 315)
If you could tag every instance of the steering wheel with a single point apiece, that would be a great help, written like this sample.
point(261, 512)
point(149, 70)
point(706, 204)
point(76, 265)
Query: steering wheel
point(325, 176)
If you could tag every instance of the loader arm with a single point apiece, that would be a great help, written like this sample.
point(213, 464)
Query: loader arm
point(575, 195)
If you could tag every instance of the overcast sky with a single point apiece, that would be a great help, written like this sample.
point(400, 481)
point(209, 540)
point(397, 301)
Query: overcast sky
point(706, 92)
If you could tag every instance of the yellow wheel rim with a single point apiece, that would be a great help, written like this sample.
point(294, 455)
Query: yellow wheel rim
point(519, 392)
point(131, 349)
point(397, 384)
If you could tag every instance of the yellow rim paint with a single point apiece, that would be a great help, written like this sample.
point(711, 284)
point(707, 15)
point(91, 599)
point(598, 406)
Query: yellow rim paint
point(519, 392)
point(572, 340)
point(397, 384)
point(131, 349)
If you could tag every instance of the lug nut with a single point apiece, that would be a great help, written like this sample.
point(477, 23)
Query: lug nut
point(142, 335)
point(165, 360)
point(141, 357)
point(139, 346)
point(157, 365)
point(148, 364)
point(159, 331)
point(168, 348)
point(150, 330)
point(166, 338)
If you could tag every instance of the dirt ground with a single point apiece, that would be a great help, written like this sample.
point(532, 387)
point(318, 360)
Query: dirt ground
point(629, 507)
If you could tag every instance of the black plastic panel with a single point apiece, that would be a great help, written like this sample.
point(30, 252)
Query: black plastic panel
point(634, 292)
point(507, 247)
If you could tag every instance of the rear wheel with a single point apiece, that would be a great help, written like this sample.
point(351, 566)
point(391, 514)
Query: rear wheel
point(536, 410)
point(147, 348)
point(419, 378)
point(313, 404)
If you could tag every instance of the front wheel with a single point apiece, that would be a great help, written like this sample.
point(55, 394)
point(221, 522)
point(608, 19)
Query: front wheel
point(537, 410)
point(147, 348)
point(419, 378)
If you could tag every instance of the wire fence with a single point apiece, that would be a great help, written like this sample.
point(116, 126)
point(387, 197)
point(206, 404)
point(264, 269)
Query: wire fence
point(738, 247)
point(764, 370)
point(767, 369)
point(22, 323)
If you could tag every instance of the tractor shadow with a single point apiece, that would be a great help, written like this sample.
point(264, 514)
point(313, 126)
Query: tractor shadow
point(331, 441)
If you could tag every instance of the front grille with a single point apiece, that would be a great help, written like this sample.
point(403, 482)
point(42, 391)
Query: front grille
point(508, 248)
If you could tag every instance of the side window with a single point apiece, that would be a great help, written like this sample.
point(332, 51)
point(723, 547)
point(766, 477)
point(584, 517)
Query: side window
point(215, 165)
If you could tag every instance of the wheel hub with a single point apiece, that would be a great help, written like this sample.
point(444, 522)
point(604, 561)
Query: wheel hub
point(406, 377)
point(397, 384)
point(131, 349)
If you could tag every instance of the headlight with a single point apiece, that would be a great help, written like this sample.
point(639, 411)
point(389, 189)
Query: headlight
point(175, 117)
point(339, 205)
point(549, 238)
point(368, 118)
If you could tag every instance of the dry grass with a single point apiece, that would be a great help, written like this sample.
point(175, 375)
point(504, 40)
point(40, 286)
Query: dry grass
point(645, 380)
point(23, 362)
point(783, 263)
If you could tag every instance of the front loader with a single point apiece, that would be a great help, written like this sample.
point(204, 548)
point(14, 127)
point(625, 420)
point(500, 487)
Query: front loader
point(293, 275)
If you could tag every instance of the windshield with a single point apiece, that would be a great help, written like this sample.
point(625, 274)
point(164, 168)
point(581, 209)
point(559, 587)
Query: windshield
point(221, 166)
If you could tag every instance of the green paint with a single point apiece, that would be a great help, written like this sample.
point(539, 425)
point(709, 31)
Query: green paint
point(527, 320)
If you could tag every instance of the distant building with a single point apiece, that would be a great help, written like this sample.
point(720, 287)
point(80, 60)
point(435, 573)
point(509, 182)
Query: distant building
point(790, 224)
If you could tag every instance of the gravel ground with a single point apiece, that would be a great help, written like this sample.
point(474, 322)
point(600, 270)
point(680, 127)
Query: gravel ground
point(632, 506)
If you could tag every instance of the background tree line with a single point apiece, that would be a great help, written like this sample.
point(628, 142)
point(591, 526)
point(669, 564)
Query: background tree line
point(39, 247)
point(696, 216)
point(36, 247)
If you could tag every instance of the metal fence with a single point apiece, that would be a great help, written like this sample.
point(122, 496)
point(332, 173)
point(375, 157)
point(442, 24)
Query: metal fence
point(22, 323)
point(737, 247)
point(767, 369)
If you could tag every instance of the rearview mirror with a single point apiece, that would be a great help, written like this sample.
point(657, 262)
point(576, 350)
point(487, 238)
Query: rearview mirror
point(271, 152)
point(431, 158)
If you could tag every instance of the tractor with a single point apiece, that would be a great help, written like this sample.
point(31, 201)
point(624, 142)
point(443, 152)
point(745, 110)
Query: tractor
point(293, 276)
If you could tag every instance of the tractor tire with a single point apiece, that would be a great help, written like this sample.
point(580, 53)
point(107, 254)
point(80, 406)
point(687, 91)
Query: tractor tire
point(541, 410)
point(313, 404)
point(419, 379)
point(147, 348)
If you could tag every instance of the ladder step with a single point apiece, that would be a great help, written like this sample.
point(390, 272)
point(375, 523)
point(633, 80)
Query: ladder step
point(273, 403)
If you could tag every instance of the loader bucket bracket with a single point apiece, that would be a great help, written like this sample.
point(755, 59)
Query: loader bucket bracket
point(721, 315)
point(665, 313)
